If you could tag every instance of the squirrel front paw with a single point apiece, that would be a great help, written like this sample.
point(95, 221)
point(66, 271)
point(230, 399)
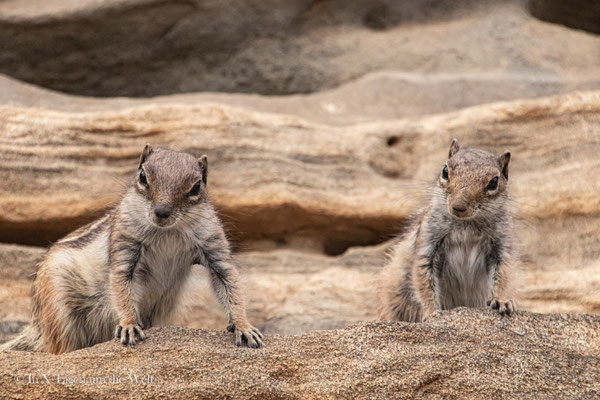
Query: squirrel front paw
point(246, 332)
point(504, 307)
point(127, 333)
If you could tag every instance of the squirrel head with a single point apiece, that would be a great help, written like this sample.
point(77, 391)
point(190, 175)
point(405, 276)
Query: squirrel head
point(473, 180)
point(172, 182)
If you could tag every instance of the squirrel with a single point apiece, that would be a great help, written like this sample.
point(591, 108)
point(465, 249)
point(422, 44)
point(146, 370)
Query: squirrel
point(125, 271)
point(460, 250)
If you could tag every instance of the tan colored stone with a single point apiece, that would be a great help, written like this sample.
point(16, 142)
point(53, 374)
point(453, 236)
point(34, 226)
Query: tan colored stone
point(465, 354)
point(286, 180)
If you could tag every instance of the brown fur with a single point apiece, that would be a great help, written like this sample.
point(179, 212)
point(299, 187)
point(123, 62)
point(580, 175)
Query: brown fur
point(125, 271)
point(458, 251)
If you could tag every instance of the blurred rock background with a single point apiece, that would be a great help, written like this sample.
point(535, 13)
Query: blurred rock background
point(324, 121)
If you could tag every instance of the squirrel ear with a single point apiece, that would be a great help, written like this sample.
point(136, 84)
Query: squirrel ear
point(203, 162)
point(504, 160)
point(453, 148)
point(147, 151)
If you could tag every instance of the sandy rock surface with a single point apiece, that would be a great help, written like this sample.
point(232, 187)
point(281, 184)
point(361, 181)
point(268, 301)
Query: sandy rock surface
point(293, 292)
point(464, 353)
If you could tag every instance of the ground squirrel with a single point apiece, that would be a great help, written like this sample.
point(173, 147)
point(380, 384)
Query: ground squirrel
point(125, 271)
point(460, 250)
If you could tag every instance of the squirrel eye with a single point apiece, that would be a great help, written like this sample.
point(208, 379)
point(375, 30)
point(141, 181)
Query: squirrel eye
point(445, 172)
point(195, 189)
point(143, 179)
point(493, 185)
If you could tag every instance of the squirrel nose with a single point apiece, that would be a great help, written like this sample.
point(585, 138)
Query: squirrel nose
point(163, 210)
point(459, 208)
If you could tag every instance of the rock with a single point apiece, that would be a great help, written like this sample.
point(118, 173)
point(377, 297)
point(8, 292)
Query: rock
point(88, 47)
point(578, 14)
point(463, 353)
point(245, 156)
point(17, 266)
point(280, 180)
point(374, 97)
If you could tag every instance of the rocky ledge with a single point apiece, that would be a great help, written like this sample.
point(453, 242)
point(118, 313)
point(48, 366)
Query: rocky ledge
point(464, 353)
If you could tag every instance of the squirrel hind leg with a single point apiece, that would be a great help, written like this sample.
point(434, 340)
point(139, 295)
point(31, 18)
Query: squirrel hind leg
point(395, 296)
point(400, 307)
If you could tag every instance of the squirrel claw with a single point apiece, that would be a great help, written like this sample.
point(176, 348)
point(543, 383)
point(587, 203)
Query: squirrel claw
point(251, 335)
point(504, 307)
point(231, 327)
point(127, 334)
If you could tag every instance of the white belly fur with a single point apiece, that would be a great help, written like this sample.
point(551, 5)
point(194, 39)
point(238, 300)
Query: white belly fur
point(162, 269)
point(464, 280)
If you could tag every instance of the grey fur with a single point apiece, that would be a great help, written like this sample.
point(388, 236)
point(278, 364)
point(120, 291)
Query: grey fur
point(125, 271)
point(461, 249)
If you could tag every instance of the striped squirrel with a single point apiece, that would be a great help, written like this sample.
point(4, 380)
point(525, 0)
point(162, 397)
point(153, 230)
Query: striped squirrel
point(125, 271)
point(460, 250)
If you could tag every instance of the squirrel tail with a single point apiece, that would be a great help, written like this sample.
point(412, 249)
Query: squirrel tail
point(28, 340)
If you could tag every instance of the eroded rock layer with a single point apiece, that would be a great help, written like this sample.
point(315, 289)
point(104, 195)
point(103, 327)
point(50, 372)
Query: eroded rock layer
point(284, 180)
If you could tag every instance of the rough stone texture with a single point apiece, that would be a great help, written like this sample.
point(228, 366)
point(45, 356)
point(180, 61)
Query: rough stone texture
point(283, 169)
point(301, 184)
point(152, 47)
point(460, 354)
